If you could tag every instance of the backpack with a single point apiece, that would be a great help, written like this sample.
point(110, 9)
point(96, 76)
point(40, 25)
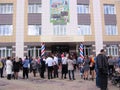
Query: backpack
point(1, 64)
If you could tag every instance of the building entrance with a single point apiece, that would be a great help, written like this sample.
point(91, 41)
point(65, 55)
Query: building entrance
point(60, 48)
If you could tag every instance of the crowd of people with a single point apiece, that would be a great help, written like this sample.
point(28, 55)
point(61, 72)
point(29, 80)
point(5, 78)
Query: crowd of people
point(91, 67)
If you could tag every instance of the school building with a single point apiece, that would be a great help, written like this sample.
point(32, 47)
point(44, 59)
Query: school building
point(61, 24)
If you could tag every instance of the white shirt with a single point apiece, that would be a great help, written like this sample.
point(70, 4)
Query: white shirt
point(64, 60)
point(55, 60)
point(49, 61)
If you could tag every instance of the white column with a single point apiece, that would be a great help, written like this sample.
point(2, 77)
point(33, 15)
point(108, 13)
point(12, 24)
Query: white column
point(20, 28)
point(97, 25)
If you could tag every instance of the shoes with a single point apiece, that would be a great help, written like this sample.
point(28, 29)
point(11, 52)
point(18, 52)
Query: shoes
point(2, 76)
point(65, 78)
point(73, 78)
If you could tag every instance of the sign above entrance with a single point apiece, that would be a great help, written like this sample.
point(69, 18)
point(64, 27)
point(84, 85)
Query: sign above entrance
point(59, 11)
point(51, 38)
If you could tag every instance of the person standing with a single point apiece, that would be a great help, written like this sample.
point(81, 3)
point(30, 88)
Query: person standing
point(71, 68)
point(34, 64)
point(42, 67)
point(64, 66)
point(16, 67)
point(55, 66)
point(86, 67)
point(102, 66)
point(49, 63)
point(92, 67)
point(9, 66)
point(2, 67)
point(26, 64)
point(111, 63)
point(74, 63)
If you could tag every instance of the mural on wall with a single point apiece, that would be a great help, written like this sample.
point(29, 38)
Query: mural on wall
point(59, 11)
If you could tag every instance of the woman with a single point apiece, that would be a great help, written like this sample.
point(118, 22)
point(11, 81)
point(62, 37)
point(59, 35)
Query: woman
point(9, 66)
point(92, 68)
point(70, 68)
point(86, 67)
point(34, 66)
point(16, 67)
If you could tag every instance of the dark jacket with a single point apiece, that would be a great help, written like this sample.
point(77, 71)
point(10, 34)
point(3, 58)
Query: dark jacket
point(102, 67)
point(102, 64)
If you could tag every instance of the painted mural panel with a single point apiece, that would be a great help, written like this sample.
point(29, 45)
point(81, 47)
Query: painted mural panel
point(59, 11)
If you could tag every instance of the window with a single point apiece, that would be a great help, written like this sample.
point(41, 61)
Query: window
point(34, 51)
point(82, 9)
point(6, 8)
point(6, 30)
point(111, 30)
point(84, 30)
point(5, 51)
point(109, 9)
point(59, 29)
point(34, 30)
point(34, 8)
point(112, 50)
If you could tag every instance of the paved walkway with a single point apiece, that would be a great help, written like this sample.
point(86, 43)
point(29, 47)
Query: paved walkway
point(36, 83)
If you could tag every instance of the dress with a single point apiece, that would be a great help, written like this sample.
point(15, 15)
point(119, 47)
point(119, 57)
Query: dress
point(16, 66)
point(86, 66)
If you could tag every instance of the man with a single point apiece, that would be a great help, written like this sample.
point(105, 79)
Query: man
point(55, 67)
point(49, 63)
point(42, 68)
point(102, 66)
point(26, 64)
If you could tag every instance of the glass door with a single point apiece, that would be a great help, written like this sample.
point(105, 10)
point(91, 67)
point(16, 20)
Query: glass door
point(87, 50)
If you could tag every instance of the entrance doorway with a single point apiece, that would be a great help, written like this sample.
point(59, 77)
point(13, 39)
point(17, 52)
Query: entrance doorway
point(60, 48)
point(87, 50)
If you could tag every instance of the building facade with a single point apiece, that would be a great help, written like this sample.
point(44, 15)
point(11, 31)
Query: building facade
point(61, 24)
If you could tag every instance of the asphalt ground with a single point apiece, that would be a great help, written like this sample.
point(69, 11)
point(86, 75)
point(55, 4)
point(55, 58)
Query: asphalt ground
point(37, 83)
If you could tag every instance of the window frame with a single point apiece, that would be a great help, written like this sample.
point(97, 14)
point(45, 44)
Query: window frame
point(108, 9)
point(85, 30)
point(59, 30)
point(37, 32)
point(111, 30)
point(111, 50)
point(6, 30)
point(33, 8)
point(6, 8)
point(82, 9)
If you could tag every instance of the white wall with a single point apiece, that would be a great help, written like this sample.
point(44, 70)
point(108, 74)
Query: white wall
point(72, 25)
point(47, 27)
